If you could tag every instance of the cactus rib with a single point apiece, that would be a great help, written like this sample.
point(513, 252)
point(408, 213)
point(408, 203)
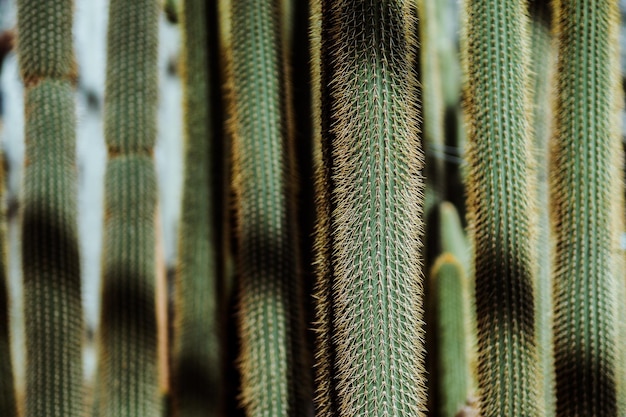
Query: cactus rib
point(500, 207)
point(274, 380)
point(586, 208)
point(196, 357)
point(50, 255)
point(371, 223)
point(128, 383)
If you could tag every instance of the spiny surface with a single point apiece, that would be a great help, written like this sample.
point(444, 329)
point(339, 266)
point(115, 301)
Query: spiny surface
point(500, 209)
point(50, 257)
point(128, 367)
point(270, 319)
point(196, 356)
point(542, 60)
point(451, 295)
point(586, 209)
point(375, 158)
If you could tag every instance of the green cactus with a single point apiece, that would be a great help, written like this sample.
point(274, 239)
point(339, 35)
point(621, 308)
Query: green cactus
point(274, 379)
point(128, 367)
point(500, 206)
point(196, 360)
point(50, 256)
point(369, 229)
point(451, 295)
point(542, 55)
point(8, 406)
point(172, 10)
point(587, 208)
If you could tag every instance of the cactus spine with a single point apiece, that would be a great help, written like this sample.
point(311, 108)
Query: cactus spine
point(541, 75)
point(128, 382)
point(8, 406)
point(270, 318)
point(500, 209)
point(451, 293)
point(51, 263)
point(196, 356)
point(369, 232)
point(586, 207)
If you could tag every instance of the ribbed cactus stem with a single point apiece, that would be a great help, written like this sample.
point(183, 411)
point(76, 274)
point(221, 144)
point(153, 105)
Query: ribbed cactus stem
point(371, 219)
point(50, 257)
point(587, 208)
point(274, 380)
point(451, 296)
point(128, 383)
point(542, 60)
point(8, 406)
point(500, 205)
point(196, 382)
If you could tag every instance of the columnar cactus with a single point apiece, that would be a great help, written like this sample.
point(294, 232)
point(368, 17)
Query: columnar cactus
point(274, 380)
point(128, 368)
point(51, 262)
point(8, 406)
point(196, 356)
point(586, 208)
point(500, 205)
point(451, 295)
point(542, 60)
point(369, 229)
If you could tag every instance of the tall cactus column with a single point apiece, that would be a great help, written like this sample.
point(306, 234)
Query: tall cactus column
point(196, 383)
point(51, 263)
point(500, 209)
point(128, 366)
point(271, 325)
point(369, 228)
point(586, 208)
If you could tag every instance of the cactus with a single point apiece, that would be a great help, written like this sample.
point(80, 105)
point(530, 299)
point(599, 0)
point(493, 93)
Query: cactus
point(274, 380)
point(586, 208)
point(449, 284)
point(369, 230)
point(171, 9)
point(500, 210)
point(51, 262)
point(196, 355)
point(541, 75)
point(128, 382)
point(8, 406)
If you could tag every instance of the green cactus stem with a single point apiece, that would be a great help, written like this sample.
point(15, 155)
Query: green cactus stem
point(50, 256)
point(587, 208)
point(128, 383)
point(274, 377)
point(501, 214)
point(369, 229)
point(196, 382)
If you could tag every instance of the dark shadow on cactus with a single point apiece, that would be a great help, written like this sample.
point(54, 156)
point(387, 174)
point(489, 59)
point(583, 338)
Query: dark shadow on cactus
point(198, 385)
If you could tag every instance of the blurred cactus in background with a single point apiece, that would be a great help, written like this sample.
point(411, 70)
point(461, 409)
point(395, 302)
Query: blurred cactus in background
point(281, 176)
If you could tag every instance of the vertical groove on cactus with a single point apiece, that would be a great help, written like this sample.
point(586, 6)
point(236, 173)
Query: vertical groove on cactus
point(8, 406)
point(196, 384)
point(500, 207)
point(371, 221)
point(451, 296)
point(128, 381)
point(274, 381)
point(541, 50)
point(586, 207)
point(51, 263)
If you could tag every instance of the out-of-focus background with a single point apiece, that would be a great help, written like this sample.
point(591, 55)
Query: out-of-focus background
point(90, 45)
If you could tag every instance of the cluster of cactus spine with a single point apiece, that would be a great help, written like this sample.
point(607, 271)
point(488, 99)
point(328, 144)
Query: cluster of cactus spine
point(542, 60)
point(50, 256)
point(271, 324)
point(500, 205)
point(128, 383)
point(196, 387)
point(369, 227)
point(586, 206)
